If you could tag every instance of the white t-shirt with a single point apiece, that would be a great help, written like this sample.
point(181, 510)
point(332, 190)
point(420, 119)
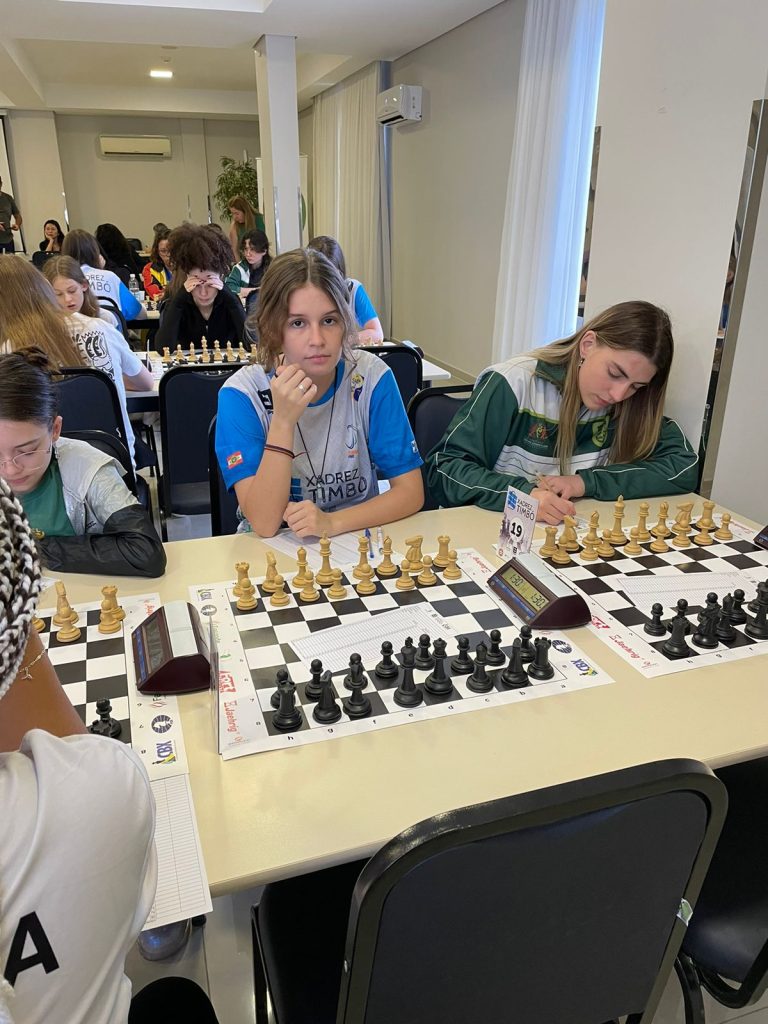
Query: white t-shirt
point(78, 872)
point(105, 348)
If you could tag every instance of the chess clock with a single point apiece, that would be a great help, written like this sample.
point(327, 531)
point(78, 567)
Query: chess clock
point(762, 538)
point(538, 596)
point(170, 653)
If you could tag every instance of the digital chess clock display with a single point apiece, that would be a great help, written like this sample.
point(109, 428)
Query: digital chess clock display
point(525, 589)
point(537, 596)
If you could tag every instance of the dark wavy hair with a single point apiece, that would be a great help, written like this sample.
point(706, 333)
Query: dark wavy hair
point(198, 246)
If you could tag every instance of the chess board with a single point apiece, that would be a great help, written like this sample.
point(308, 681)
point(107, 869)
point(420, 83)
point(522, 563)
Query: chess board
point(98, 666)
point(253, 645)
point(677, 573)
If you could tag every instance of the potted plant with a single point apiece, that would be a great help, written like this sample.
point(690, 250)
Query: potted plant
point(237, 178)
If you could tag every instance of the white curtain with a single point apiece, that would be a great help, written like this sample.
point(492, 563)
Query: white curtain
point(349, 182)
point(543, 235)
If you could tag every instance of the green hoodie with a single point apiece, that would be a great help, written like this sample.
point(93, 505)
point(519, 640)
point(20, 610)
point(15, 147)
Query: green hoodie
point(505, 435)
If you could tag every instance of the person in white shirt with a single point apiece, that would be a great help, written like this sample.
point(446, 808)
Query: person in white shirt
point(73, 292)
point(78, 867)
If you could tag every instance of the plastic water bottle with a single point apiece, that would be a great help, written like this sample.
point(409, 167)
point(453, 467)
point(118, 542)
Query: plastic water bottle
point(132, 285)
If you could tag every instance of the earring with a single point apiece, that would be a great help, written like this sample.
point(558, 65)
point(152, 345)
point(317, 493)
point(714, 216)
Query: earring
point(581, 363)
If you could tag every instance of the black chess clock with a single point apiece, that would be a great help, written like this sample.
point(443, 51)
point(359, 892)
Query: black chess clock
point(762, 538)
point(170, 652)
point(537, 596)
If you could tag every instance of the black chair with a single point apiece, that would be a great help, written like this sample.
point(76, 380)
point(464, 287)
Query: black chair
point(223, 502)
point(429, 413)
point(110, 445)
point(406, 365)
point(88, 400)
point(41, 257)
point(188, 402)
point(563, 905)
point(727, 940)
point(112, 307)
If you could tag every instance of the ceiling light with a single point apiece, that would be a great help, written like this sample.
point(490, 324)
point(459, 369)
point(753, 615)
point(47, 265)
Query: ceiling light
point(161, 73)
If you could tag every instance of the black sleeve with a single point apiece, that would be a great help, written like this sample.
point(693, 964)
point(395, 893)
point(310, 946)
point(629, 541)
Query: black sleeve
point(236, 314)
point(129, 546)
point(170, 320)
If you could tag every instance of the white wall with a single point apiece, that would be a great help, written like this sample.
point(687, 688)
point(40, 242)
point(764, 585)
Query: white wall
point(676, 91)
point(228, 138)
point(449, 183)
point(37, 176)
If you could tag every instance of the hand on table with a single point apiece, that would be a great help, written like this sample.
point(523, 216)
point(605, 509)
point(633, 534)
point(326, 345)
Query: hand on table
point(568, 487)
point(292, 391)
point(552, 508)
point(307, 520)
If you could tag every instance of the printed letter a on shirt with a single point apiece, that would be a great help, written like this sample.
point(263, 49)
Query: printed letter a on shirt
point(42, 953)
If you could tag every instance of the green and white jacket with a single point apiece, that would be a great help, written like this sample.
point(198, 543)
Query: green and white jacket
point(505, 435)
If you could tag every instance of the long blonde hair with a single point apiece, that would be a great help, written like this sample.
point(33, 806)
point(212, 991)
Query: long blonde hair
point(241, 203)
point(635, 326)
point(70, 270)
point(30, 314)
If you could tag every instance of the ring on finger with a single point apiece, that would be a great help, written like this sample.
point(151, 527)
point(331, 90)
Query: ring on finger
point(301, 388)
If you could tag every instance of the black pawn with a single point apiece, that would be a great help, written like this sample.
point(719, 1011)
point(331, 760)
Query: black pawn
point(355, 673)
point(682, 613)
point(757, 628)
point(327, 710)
point(288, 716)
point(313, 688)
point(675, 645)
point(527, 650)
point(280, 677)
point(105, 725)
point(437, 681)
point(359, 704)
point(656, 627)
point(462, 665)
point(738, 616)
point(387, 668)
point(514, 675)
point(495, 655)
point(480, 681)
point(541, 668)
point(408, 695)
point(725, 630)
point(424, 659)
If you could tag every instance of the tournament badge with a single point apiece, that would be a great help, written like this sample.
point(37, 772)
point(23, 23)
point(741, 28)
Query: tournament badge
point(356, 382)
point(517, 524)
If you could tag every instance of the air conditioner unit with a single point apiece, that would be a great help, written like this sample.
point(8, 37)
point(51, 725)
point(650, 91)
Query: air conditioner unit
point(135, 145)
point(403, 103)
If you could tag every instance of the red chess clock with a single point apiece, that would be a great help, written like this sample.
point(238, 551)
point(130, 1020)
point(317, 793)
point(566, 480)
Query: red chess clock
point(170, 652)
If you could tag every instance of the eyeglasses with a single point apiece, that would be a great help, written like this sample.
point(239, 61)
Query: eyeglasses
point(28, 460)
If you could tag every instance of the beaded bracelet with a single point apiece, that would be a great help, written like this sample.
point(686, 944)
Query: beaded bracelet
point(277, 448)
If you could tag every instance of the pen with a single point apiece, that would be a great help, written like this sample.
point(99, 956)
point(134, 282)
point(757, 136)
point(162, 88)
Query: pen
point(380, 538)
point(370, 542)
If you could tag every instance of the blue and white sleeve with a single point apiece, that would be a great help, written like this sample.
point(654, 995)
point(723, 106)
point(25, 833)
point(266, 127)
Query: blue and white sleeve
point(390, 438)
point(129, 304)
point(364, 308)
point(240, 437)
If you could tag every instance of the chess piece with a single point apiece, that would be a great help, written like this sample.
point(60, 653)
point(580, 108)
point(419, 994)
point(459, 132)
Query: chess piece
point(206, 356)
point(107, 621)
point(616, 535)
point(681, 613)
point(360, 572)
point(424, 659)
point(105, 725)
point(404, 581)
point(279, 598)
point(561, 556)
point(309, 591)
point(568, 538)
point(437, 682)
point(680, 540)
point(38, 623)
point(527, 650)
point(248, 601)
point(514, 675)
point(314, 688)
point(480, 681)
point(705, 636)
point(366, 586)
point(359, 704)
point(549, 547)
point(387, 567)
point(592, 534)
point(229, 355)
point(426, 577)
point(325, 575)
point(69, 632)
point(643, 534)
point(109, 600)
point(354, 672)
point(757, 628)
point(724, 630)
point(441, 559)
point(661, 530)
point(327, 710)
point(287, 718)
point(64, 611)
point(407, 694)
point(540, 666)
point(658, 545)
point(702, 537)
point(589, 551)
point(268, 585)
point(192, 357)
point(453, 572)
point(675, 646)
point(242, 355)
point(656, 627)
point(706, 521)
point(242, 581)
point(605, 548)
point(337, 591)
point(179, 354)
point(216, 351)
point(274, 700)
point(737, 614)
point(462, 665)
point(633, 546)
point(682, 523)
point(166, 360)
point(413, 554)
point(300, 579)
point(387, 668)
point(495, 655)
point(724, 532)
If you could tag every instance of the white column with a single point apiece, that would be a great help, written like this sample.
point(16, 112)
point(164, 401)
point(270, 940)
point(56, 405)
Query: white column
point(36, 168)
point(195, 186)
point(279, 132)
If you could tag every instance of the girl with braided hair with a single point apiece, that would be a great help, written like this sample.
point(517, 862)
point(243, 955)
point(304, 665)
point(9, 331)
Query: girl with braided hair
point(82, 812)
point(85, 518)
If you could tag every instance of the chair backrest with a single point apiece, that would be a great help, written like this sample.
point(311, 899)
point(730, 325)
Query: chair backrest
point(188, 402)
point(110, 445)
point(223, 502)
point(429, 413)
point(112, 307)
point(558, 905)
point(88, 400)
point(406, 364)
